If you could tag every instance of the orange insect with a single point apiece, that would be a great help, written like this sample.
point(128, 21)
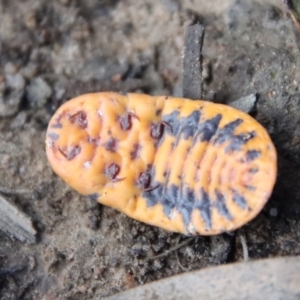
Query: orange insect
point(187, 166)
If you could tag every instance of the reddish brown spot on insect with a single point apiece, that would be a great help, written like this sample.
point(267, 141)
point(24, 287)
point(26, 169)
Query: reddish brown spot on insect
point(80, 119)
point(125, 122)
point(158, 129)
point(134, 153)
point(144, 180)
point(158, 112)
point(94, 141)
point(112, 171)
point(58, 117)
point(111, 145)
point(70, 153)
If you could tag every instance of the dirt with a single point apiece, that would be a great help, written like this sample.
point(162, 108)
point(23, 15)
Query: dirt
point(51, 51)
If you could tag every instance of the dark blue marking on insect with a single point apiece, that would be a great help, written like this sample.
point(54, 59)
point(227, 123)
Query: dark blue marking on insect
point(221, 205)
point(153, 196)
point(53, 136)
point(189, 124)
point(252, 154)
point(204, 206)
point(169, 199)
point(174, 121)
point(185, 205)
point(207, 129)
point(226, 133)
point(192, 126)
point(237, 141)
point(56, 126)
point(94, 196)
point(239, 200)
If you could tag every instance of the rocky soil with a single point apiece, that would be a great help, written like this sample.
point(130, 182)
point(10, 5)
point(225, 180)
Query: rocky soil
point(51, 51)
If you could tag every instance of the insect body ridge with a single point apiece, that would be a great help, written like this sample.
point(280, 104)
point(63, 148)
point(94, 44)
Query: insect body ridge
point(187, 166)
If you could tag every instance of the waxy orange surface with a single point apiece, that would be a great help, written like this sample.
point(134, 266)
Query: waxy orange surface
point(187, 166)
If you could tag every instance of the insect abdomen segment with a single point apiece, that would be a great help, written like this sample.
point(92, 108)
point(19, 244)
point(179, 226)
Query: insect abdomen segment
point(189, 166)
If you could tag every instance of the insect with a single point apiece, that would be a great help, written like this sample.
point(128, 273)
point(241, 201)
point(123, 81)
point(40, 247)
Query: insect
point(187, 166)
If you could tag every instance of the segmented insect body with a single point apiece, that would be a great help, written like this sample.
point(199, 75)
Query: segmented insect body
point(187, 166)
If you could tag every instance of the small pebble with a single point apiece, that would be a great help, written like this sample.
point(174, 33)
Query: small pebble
point(30, 20)
point(82, 289)
point(20, 120)
point(246, 104)
point(38, 92)
point(15, 81)
point(273, 212)
point(12, 93)
point(10, 68)
point(29, 71)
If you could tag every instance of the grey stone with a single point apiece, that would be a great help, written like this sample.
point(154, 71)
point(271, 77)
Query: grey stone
point(12, 94)
point(38, 92)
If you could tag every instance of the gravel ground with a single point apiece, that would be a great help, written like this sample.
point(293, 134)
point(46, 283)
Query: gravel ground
point(51, 51)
